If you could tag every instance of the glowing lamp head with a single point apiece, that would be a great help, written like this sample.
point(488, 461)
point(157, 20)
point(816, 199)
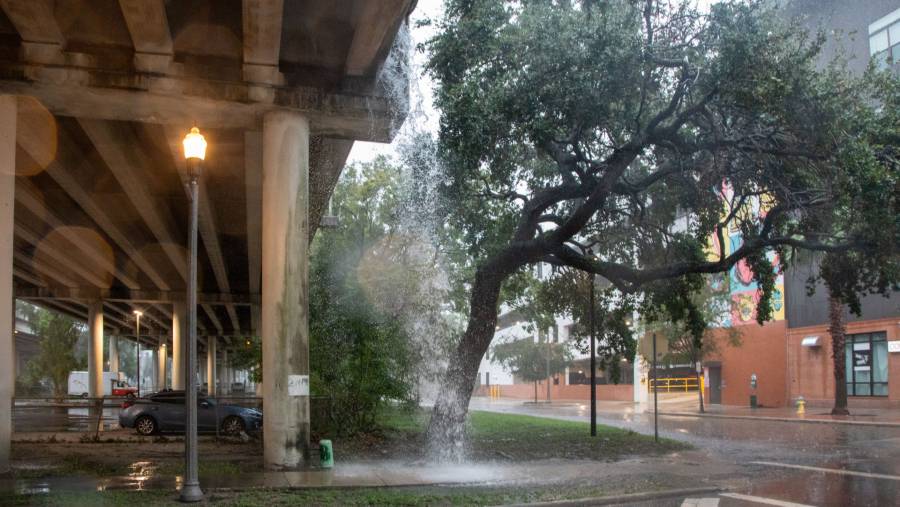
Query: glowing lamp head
point(138, 313)
point(194, 145)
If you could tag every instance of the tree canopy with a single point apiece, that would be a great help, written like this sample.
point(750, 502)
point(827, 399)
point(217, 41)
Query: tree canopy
point(56, 356)
point(596, 136)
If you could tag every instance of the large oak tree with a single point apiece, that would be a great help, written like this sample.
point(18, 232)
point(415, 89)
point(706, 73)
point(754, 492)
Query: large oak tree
point(575, 125)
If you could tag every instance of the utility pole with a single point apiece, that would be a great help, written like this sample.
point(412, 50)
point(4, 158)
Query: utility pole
point(549, 351)
point(593, 363)
point(655, 400)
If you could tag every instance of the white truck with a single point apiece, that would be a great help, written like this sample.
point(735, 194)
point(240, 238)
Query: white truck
point(112, 384)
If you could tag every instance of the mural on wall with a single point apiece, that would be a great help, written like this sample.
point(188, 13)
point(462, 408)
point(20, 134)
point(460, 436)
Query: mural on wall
point(743, 290)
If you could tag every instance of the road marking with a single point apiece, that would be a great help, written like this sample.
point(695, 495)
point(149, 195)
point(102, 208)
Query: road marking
point(700, 502)
point(829, 470)
point(764, 500)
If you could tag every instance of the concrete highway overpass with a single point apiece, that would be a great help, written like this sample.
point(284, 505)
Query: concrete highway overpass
point(97, 96)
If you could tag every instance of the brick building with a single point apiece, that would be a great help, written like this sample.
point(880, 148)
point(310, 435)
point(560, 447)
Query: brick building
point(792, 357)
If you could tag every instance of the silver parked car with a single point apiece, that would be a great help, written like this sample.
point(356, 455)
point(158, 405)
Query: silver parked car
point(163, 412)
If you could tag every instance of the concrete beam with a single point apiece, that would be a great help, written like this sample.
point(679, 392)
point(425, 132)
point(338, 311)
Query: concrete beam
point(253, 186)
point(28, 276)
point(8, 109)
point(103, 95)
point(328, 157)
point(376, 25)
point(148, 26)
point(132, 296)
point(120, 150)
point(33, 20)
point(213, 318)
point(48, 271)
point(64, 260)
point(262, 21)
point(29, 196)
point(72, 181)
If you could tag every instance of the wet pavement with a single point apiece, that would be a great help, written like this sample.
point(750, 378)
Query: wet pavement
point(780, 461)
point(808, 464)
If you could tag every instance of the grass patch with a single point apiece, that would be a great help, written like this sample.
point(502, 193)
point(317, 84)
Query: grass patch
point(523, 437)
point(495, 436)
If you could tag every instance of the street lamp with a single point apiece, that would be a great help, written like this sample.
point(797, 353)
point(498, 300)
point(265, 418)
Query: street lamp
point(194, 153)
point(137, 338)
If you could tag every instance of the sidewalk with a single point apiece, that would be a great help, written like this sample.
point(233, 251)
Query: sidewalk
point(398, 474)
point(861, 416)
point(687, 406)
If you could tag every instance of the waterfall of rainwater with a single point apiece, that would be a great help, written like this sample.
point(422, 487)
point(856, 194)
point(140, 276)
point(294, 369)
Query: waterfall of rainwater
point(429, 316)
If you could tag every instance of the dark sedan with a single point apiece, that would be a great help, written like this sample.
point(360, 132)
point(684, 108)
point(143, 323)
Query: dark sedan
point(163, 412)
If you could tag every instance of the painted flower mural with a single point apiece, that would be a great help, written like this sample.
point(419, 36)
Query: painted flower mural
point(744, 291)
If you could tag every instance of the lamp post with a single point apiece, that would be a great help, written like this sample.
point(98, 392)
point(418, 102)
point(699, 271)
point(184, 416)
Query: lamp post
point(194, 153)
point(593, 363)
point(137, 339)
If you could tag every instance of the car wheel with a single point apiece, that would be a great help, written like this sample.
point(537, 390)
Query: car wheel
point(130, 396)
point(84, 395)
point(145, 425)
point(233, 425)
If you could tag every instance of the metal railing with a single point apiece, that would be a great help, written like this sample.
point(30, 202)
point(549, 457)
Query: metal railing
point(678, 384)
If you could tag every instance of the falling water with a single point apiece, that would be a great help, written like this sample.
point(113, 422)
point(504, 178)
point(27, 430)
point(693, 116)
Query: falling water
point(430, 319)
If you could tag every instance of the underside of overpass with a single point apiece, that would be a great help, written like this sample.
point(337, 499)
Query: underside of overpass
point(97, 96)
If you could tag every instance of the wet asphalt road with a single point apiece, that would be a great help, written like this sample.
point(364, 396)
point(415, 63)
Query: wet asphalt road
point(803, 463)
point(800, 462)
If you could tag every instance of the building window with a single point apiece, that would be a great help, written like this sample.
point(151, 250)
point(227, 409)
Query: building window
point(866, 361)
point(884, 40)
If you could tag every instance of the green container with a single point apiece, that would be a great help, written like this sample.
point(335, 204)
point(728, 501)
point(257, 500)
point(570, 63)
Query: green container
point(326, 454)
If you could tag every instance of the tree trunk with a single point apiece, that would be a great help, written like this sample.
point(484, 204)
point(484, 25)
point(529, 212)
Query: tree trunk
point(838, 354)
point(446, 431)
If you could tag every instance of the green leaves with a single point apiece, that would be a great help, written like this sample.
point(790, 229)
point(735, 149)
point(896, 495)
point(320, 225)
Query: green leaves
point(56, 356)
point(633, 116)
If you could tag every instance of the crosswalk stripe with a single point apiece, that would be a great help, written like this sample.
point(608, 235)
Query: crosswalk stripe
point(764, 500)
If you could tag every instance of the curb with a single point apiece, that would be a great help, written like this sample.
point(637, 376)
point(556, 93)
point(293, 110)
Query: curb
point(617, 499)
point(781, 419)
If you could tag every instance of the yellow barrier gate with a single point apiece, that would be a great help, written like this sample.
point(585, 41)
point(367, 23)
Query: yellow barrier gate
point(678, 384)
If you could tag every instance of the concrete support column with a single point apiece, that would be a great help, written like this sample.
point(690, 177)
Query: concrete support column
point(223, 374)
point(114, 354)
point(179, 340)
point(284, 308)
point(7, 303)
point(161, 354)
point(211, 365)
point(95, 349)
